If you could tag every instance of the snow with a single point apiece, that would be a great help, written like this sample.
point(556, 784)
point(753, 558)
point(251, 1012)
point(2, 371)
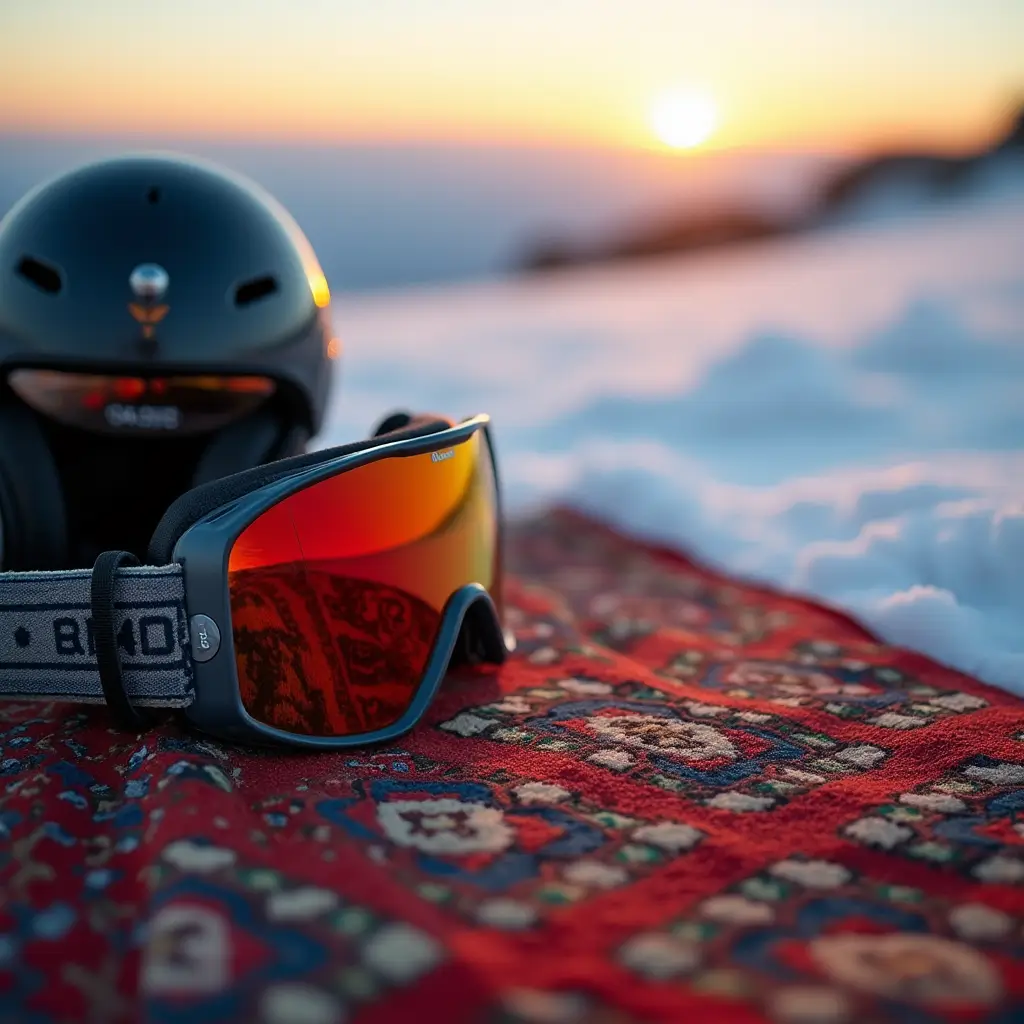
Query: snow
point(841, 414)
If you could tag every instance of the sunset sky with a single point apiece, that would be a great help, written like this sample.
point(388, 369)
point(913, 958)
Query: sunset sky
point(775, 72)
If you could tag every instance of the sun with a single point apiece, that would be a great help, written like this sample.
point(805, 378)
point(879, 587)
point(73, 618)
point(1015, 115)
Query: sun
point(683, 118)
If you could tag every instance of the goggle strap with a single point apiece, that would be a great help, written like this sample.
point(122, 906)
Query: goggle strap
point(48, 636)
point(104, 633)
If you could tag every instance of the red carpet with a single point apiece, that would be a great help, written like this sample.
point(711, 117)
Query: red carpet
point(685, 799)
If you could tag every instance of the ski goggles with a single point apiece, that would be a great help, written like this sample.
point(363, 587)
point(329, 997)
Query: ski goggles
point(317, 601)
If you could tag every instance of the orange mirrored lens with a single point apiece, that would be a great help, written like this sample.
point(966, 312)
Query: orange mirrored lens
point(337, 592)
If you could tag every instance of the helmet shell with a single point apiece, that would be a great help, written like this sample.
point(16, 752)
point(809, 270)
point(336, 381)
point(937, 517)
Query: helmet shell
point(158, 263)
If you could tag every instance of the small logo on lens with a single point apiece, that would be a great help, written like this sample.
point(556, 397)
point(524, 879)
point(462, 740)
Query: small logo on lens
point(441, 456)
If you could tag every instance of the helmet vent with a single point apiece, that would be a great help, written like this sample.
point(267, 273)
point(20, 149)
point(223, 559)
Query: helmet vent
point(153, 196)
point(252, 291)
point(45, 277)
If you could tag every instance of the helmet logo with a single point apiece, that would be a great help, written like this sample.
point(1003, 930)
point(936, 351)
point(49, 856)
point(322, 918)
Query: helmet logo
point(149, 283)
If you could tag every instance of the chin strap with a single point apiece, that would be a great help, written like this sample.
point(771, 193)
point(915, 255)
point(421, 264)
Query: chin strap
point(50, 636)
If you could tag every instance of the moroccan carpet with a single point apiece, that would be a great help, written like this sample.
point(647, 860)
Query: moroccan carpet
point(684, 799)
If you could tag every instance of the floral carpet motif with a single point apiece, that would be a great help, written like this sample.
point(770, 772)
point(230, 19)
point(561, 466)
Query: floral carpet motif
point(684, 798)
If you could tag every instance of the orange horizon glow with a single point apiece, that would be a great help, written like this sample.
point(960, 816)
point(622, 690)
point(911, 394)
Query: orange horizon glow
point(805, 75)
point(860, 126)
point(860, 134)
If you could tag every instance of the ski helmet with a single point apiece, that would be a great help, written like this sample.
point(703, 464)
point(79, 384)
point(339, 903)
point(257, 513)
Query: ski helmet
point(163, 322)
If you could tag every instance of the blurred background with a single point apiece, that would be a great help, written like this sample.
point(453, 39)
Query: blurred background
point(745, 276)
point(424, 142)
